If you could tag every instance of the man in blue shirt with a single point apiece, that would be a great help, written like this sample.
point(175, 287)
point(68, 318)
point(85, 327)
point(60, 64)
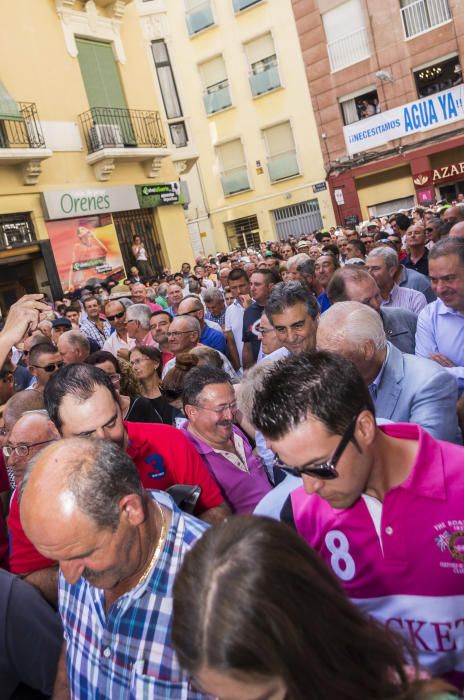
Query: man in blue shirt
point(211, 333)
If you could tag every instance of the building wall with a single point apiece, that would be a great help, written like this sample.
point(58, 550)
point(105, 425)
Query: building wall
point(247, 117)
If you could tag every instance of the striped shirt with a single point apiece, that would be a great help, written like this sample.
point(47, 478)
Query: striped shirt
point(127, 652)
point(93, 332)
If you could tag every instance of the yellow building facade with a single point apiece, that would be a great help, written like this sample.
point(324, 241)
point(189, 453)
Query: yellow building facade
point(233, 90)
point(84, 158)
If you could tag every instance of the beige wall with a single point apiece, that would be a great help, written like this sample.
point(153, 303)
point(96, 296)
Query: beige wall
point(384, 187)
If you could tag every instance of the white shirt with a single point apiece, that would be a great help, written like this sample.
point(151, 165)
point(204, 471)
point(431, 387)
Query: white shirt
point(115, 343)
point(234, 323)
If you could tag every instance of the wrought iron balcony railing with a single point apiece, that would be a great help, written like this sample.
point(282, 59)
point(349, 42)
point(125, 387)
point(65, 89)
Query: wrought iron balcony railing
point(23, 130)
point(114, 127)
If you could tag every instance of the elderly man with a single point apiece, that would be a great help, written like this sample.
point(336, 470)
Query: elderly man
point(139, 296)
point(184, 335)
point(352, 283)
point(81, 401)
point(457, 230)
point(404, 388)
point(209, 335)
point(210, 406)
point(382, 505)
point(44, 360)
point(382, 264)
point(417, 258)
point(73, 346)
point(94, 327)
point(216, 308)
point(118, 344)
point(270, 342)
point(138, 324)
point(28, 436)
point(175, 296)
point(294, 313)
point(119, 549)
point(440, 326)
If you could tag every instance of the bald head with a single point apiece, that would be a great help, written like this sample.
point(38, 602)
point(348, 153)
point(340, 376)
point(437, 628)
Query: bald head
point(21, 402)
point(457, 231)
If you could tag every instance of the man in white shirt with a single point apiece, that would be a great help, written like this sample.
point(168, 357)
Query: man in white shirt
point(118, 344)
point(239, 285)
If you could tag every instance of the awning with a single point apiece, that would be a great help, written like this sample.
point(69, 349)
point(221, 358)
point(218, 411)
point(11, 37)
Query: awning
point(8, 107)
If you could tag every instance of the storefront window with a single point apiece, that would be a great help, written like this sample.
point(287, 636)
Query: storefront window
point(16, 230)
point(438, 76)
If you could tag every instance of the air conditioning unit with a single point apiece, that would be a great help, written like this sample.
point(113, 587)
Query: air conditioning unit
point(105, 136)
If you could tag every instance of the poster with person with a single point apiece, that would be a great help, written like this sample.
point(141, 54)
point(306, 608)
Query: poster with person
point(85, 249)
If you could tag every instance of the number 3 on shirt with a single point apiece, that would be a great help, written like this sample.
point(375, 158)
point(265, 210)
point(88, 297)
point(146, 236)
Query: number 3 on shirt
point(341, 560)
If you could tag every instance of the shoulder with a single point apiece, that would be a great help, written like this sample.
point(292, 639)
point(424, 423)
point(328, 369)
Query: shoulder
point(428, 311)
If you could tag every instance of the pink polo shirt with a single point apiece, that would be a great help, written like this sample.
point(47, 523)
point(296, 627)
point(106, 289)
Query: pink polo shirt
point(402, 560)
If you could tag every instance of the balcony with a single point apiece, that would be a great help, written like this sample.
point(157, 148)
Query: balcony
point(235, 180)
point(265, 81)
point(349, 49)
point(240, 5)
point(200, 18)
point(218, 99)
point(115, 134)
point(22, 142)
point(283, 166)
point(423, 15)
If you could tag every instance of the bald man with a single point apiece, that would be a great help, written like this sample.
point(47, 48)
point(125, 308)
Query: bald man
point(457, 231)
point(119, 548)
point(28, 437)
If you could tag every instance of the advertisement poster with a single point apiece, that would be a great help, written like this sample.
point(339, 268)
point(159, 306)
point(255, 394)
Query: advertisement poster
point(86, 249)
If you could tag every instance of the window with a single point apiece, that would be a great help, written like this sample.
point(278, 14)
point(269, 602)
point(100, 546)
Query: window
point(347, 38)
point(199, 15)
point(421, 16)
point(391, 207)
point(234, 175)
point(169, 93)
point(360, 106)
point(262, 59)
point(16, 230)
point(281, 154)
point(297, 219)
point(242, 233)
point(216, 85)
point(240, 5)
point(438, 76)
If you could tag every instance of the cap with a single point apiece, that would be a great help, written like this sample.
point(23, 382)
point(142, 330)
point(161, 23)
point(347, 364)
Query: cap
point(303, 244)
point(268, 254)
point(61, 322)
point(372, 224)
point(121, 290)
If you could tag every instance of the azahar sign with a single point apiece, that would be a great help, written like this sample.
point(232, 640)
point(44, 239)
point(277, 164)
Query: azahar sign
point(428, 113)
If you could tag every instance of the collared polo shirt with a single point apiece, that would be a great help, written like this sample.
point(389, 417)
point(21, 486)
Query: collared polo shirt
point(421, 265)
point(115, 343)
point(402, 560)
point(127, 652)
point(441, 329)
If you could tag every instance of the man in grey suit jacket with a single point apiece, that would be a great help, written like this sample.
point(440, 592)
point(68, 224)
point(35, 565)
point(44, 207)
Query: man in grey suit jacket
point(403, 389)
point(352, 283)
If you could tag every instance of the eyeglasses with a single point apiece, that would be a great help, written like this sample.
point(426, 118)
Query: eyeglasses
point(325, 470)
point(263, 331)
point(22, 450)
point(51, 367)
point(119, 315)
point(176, 334)
point(232, 407)
point(192, 311)
point(429, 230)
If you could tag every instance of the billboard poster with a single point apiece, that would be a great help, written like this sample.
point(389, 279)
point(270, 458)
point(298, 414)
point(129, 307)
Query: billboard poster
point(85, 249)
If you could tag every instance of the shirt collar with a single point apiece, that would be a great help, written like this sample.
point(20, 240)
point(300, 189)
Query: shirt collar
point(374, 386)
point(442, 309)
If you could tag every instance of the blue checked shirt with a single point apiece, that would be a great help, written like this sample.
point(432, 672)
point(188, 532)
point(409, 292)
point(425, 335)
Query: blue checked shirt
point(92, 331)
point(126, 654)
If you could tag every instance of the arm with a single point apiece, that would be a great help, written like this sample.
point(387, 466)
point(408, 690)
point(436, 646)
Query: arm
point(22, 316)
point(425, 341)
point(434, 407)
point(247, 356)
point(232, 348)
point(216, 515)
point(61, 687)
point(46, 581)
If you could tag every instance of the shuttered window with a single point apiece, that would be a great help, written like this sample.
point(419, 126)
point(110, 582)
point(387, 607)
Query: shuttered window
point(280, 146)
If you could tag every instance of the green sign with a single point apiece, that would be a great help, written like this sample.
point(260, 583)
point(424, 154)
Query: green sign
point(157, 195)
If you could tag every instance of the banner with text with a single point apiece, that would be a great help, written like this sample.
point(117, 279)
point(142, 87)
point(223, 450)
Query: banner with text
point(428, 113)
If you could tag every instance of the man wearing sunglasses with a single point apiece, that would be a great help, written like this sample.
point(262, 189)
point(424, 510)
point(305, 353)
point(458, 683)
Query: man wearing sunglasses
point(382, 505)
point(44, 361)
point(118, 344)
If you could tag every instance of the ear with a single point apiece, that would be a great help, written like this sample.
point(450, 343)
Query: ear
point(189, 411)
point(368, 350)
point(131, 508)
point(366, 427)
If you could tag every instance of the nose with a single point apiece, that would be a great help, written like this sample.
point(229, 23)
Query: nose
point(228, 413)
point(311, 485)
point(72, 570)
point(99, 433)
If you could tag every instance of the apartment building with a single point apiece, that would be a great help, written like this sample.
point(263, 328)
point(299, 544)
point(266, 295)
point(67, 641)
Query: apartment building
point(387, 91)
point(231, 79)
point(84, 161)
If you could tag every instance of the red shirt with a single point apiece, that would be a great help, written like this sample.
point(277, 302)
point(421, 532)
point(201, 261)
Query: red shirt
point(24, 557)
point(4, 487)
point(164, 457)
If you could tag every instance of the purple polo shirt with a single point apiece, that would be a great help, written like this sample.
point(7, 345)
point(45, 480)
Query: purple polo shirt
point(241, 490)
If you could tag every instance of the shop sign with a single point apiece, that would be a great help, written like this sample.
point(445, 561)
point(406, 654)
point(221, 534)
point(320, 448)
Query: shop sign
point(319, 187)
point(426, 197)
point(422, 179)
point(448, 172)
point(430, 112)
point(67, 204)
point(150, 196)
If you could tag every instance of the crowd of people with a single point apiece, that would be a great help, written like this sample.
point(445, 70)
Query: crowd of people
point(241, 480)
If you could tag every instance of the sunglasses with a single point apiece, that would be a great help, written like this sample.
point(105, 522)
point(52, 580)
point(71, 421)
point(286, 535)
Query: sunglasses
point(51, 367)
point(119, 315)
point(325, 470)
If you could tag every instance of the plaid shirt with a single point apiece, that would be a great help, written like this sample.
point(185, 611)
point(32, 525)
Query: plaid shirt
point(221, 319)
point(94, 333)
point(126, 654)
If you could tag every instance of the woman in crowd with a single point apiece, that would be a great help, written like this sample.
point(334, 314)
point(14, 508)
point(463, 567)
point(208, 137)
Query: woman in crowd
point(270, 622)
point(173, 383)
point(135, 408)
point(141, 260)
point(147, 362)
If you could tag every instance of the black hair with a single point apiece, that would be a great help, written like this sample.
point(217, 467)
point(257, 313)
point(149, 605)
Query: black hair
point(41, 349)
point(286, 294)
point(237, 274)
point(198, 378)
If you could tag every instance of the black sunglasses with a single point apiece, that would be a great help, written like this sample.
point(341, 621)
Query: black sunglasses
point(325, 470)
point(119, 315)
point(51, 367)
